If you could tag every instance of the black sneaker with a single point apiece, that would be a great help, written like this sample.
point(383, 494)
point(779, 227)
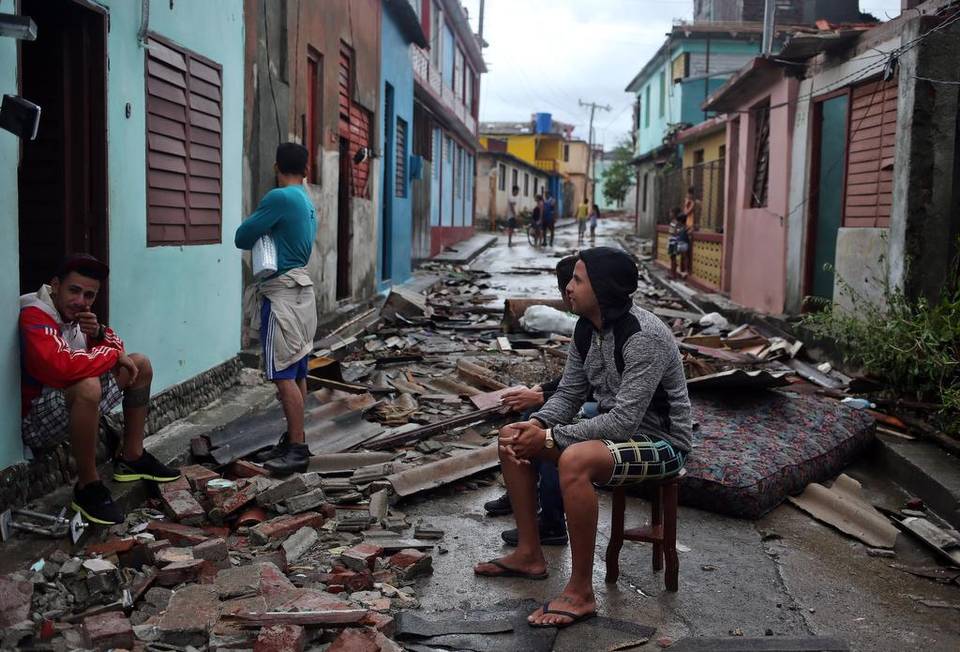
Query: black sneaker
point(146, 468)
point(95, 504)
point(277, 450)
point(499, 506)
point(295, 459)
point(550, 535)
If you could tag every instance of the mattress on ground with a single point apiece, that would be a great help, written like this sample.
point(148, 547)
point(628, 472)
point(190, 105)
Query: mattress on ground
point(751, 452)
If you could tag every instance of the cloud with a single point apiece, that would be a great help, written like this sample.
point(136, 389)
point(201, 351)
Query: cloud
point(547, 55)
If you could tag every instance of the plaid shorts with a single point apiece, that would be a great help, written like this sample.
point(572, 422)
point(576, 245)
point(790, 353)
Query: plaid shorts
point(643, 458)
point(47, 423)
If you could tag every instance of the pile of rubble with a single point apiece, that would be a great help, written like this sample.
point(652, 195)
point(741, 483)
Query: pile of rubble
point(237, 560)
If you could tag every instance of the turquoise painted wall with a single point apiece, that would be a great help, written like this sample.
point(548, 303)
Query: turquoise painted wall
point(396, 69)
point(179, 305)
point(11, 450)
point(681, 102)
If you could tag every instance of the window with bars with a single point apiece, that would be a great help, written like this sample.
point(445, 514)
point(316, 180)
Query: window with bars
point(400, 181)
point(526, 184)
point(761, 155)
point(501, 176)
point(184, 127)
point(514, 178)
point(355, 125)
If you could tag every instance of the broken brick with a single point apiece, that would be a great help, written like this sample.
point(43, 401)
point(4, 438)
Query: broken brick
point(212, 550)
point(111, 546)
point(361, 556)
point(280, 638)
point(383, 623)
point(352, 580)
point(15, 598)
point(355, 639)
point(190, 616)
point(173, 555)
point(299, 543)
point(302, 502)
point(216, 532)
point(154, 548)
point(176, 533)
point(293, 486)
point(245, 469)
point(275, 557)
point(251, 517)
point(284, 526)
point(198, 476)
point(107, 631)
point(179, 572)
point(233, 502)
point(259, 579)
point(411, 563)
point(182, 507)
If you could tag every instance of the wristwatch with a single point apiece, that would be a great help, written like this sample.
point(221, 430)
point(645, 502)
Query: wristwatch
point(548, 442)
point(101, 332)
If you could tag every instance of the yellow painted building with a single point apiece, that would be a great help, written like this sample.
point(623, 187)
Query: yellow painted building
point(545, 151)
point(704, 156)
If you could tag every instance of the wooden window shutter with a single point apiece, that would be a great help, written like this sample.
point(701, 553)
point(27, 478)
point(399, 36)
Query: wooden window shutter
point(184, 131)
point(400, 183)
point(761, 156)
point(355, 125)
point(871, 147)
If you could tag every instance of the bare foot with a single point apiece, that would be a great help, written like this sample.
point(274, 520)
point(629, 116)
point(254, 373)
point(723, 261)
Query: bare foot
point(568, 601)
point(512, 565)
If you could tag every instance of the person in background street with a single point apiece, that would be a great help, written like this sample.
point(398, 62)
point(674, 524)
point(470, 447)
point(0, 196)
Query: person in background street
point(642, 431)
point(536, 218)
point(74, 370)
point(583, 211)
point(512, 214)
point(284, 305)
point(678, 242)
point(594, 218)
point(551, 523)
point(691, 211)
point(549, 218)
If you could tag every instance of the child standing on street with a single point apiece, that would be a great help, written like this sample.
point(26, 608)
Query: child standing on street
point(512, 214)
point(678, 243)
point(583, 211)
point(594, 218)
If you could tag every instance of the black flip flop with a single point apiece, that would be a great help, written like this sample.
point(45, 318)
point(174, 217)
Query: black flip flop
point(575, 618)
point(512, 572)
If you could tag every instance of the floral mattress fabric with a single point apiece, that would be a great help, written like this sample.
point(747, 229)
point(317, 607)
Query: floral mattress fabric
point(751, 452)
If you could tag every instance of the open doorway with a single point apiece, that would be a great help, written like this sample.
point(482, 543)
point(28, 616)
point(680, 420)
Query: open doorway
point(63, 173)
point(343, 221)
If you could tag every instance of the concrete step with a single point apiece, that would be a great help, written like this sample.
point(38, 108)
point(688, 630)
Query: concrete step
point(926, 471)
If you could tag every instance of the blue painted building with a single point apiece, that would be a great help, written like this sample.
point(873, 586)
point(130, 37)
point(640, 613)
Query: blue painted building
point(400, 27)
point(112, 177)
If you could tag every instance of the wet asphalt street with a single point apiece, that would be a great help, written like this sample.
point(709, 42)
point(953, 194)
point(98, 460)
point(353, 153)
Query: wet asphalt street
point(785, 574)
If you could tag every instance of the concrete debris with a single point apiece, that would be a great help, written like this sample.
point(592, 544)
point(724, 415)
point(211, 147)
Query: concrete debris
point(299, 542)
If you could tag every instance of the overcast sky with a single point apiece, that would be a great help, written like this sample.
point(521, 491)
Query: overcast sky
point(547, 55)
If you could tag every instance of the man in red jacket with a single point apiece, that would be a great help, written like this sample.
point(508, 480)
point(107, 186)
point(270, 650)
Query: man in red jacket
point(73, 369)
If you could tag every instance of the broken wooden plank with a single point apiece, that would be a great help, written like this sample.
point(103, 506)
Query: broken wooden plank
point(451, 469)
point(492, 399)
point(316, 382)
point(478, 376)
point(324, 617)
point(670, 313)
point(416, 434)
point(504, 344)
point(765, 644)
point(452, 386)
point(740, 379)
point(814, 375)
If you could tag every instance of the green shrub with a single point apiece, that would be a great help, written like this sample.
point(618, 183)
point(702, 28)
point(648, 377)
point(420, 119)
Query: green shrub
point(910, 345)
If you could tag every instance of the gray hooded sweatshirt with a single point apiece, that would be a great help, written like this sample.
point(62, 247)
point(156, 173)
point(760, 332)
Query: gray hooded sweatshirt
point(650, 397)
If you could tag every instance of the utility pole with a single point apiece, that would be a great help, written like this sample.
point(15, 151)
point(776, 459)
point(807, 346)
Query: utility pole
point(593, 109)
point(633, 152)
point(480, 30)
point(769, 12)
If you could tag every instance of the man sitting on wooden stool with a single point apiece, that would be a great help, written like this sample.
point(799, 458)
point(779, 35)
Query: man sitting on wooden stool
point(629, 360)
point(74, 370)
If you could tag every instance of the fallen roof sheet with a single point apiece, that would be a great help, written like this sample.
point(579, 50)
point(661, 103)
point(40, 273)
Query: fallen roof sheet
point(843, 507)
point(451, 469)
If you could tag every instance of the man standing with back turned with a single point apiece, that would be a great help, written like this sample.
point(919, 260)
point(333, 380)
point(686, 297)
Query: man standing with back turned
point(287, 312)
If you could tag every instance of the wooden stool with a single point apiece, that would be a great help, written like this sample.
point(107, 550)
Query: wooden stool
point(661, 532)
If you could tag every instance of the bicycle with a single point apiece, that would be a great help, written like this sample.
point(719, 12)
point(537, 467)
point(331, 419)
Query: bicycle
point(534, 234)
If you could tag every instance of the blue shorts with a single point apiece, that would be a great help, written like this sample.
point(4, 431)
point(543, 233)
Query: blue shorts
point(297, 370)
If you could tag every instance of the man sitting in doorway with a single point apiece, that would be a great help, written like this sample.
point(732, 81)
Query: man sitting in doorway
point(630, 361)
point(286, 309)
point(73, 370)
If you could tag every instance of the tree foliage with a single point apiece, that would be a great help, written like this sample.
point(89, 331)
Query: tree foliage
point(618, 176)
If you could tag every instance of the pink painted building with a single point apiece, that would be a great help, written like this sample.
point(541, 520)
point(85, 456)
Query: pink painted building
point(760, 102)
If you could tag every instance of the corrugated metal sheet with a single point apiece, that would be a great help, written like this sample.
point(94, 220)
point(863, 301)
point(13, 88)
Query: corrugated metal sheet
point(183, 147)
point(872, 142)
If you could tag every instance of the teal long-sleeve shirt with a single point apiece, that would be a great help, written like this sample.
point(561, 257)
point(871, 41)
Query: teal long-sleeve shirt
point(287, 215)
